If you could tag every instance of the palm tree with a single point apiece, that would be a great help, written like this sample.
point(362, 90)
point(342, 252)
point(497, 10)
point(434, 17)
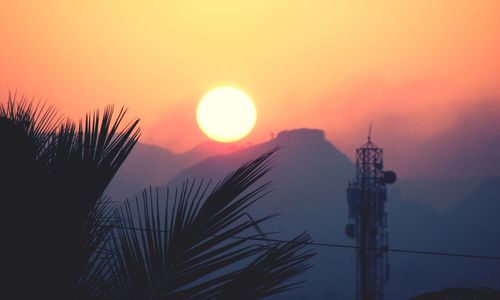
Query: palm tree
point(64, 240)
point(198, 243)
point(53, 176)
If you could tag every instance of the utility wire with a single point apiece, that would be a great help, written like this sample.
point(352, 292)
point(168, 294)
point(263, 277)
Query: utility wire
point(322, 244)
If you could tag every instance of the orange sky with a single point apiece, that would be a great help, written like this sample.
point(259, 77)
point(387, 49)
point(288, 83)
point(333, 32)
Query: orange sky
point(408, 66)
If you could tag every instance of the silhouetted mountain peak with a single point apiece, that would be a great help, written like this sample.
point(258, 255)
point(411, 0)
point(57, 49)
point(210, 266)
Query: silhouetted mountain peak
point(302, 134)
point(312, 146)
point(303, 150)
point(309, 178)
point(307, 171)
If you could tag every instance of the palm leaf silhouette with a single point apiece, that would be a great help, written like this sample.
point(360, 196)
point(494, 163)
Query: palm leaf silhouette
point(59, 229)
point(55, 174)
point(30, 121)
point(182, 245)
point(268, 274)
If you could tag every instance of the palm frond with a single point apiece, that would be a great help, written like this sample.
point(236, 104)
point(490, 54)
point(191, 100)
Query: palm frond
point(181, 244)
point(269, 273)
point(161, 253)
point(84, 160)
point(35, 121)
point(168, 245)
point(89, 155)
point(96, 237)
point(66, 169)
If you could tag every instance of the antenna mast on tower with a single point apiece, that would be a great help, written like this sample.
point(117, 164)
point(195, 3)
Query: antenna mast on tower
point(366, 197)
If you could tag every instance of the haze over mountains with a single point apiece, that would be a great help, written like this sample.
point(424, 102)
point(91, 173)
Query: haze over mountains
point(150, 165)
point(309, 180)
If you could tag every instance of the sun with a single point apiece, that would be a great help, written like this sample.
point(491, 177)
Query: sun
point(226, 114)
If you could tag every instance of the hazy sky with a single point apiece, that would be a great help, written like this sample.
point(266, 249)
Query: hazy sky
point(413, 68)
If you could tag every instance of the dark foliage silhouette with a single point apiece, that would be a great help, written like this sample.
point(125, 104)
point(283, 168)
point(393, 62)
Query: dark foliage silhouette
point(182, 245)
point(63, 240)
point(461, 294)
point(53, 176)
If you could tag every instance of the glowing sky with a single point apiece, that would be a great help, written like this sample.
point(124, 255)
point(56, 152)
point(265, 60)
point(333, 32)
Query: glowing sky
point(411, 67)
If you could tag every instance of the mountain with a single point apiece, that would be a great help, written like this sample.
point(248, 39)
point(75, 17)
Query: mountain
point(150, 165)
point(471, 227)
point(440, 193)
point(478, 217)
point(304, 170)
point(309, 179)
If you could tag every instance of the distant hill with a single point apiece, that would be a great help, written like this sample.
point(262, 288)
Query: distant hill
point(150, 165)
point(478, 218)
point(471, 227)
point(309, 180)
point(440, 193)
point(307, 168)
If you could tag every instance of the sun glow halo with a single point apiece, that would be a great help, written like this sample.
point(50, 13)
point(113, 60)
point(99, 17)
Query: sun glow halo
point(226, 114)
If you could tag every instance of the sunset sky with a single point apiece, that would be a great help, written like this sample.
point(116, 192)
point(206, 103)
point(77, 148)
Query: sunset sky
point(419, 70)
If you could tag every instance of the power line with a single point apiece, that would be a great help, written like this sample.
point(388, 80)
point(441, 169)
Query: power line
point(323, 244)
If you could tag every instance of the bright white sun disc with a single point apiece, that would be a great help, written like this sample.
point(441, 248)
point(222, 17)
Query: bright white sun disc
point(226, 114)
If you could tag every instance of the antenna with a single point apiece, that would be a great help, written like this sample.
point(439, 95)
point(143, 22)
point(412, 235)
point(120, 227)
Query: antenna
point(366, 198)
point(370, 132)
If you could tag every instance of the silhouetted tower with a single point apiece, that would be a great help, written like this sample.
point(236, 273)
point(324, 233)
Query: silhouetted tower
point(366, 197)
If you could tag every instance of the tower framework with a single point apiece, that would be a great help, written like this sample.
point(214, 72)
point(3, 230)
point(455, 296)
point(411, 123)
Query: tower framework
point(366, 197)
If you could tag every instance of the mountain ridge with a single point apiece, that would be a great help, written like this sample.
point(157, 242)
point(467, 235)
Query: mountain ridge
point(309, 179)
